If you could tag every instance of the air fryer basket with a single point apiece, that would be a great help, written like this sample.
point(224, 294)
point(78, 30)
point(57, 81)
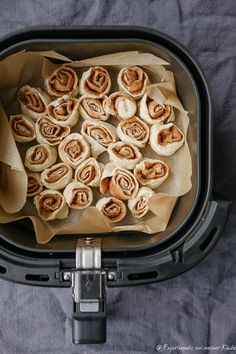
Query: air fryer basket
point(126, 258)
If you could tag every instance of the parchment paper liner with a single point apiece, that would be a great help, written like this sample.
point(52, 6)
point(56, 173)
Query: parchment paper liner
point(28, 68)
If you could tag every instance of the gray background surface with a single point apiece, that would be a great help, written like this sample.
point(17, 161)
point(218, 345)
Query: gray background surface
point(197, 308)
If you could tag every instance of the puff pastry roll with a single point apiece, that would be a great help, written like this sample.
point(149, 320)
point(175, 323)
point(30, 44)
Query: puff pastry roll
point(120, 105)
point(93, 108)
point(57, 176)
point(121, 184)
point(151, 173)
point(166, 139)
point(39, 157)
point(22, 127)
point(113, 209)
point(152, 112)
point(133, 80)
point(124, 155)
point(47, 132)
point(74, 149)
point(78, 195)
point(95, 82)
point(139, 205)
point(89, 172)
point(51, 205)
point(134, 131)
point(34, 184)
point(33, 101)
point(64, 111)
point(63, 81)
point(99, 135)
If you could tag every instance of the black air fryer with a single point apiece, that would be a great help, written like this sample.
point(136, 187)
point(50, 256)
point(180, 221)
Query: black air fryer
point(90, 264)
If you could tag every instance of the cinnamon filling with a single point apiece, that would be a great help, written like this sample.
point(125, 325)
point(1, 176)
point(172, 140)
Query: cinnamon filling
point(63, 110)
point(33, 185)
point(158, 112)
point(133, 128)
point(21, 127)
point(133, 79)
point(100, 134)
point(151, 171)
point(39, 156)
point(53, 133)
point(124, 151)
point(63, 80)
point(169, 136)
point(98, 81)
point(56, 173)
point(87, 174)
point(112, 210)
point(140, 207)
point(80, 198)
point(74, 149)
point(48, 204)
point(31, 99)
point(94, 108)
point(125, 182)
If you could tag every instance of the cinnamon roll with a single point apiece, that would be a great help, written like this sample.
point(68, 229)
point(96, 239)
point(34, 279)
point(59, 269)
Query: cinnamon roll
point(22, 127)
point(139, 205)
point(93, 108)
point(151, 173)
point(95, 82)
point(64, 111)
point(63, 81)
point(113, 209)
point(34, 184)
point(124, 155)
point(78, 195)
point(89, 172)
point(51, 205)
point(57, 176)
point(134, 131)
point(133, 80)
point(121, 184)
point(166, 139)
point(153, 112)
point(120, 105)
point(50, 133)
point(99, 135)
point(39, 157)
point(33, 101)
point(74, 149)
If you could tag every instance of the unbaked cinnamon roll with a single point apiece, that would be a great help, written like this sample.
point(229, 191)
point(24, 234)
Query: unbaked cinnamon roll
point(51, 205)
point(47, 132)
point(39, 157)
point(34, 184)
point(95, 82)
point(124, 155)
point(121, 184)
point(133, 131)
point(166, 139)
point(93, 108)
point(89, 172)
point(139, 205)
point(33, 101)
point(151, 173)
point(22, 127)
point(64, 111)
point(99, 135)
point(133, 80)
point(74, 149)
point(153, 112)
point(113, 209)
point(120, 105)
point(78, 195)
point(63, 81)
point(57, 176)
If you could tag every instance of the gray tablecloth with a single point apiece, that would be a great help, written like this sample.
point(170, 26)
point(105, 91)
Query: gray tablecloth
point(197, 308)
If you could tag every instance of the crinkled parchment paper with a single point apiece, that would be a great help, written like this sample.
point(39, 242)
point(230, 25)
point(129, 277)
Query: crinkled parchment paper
point(31, 68)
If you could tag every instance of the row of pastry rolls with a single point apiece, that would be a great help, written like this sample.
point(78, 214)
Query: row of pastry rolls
point(49, 119)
